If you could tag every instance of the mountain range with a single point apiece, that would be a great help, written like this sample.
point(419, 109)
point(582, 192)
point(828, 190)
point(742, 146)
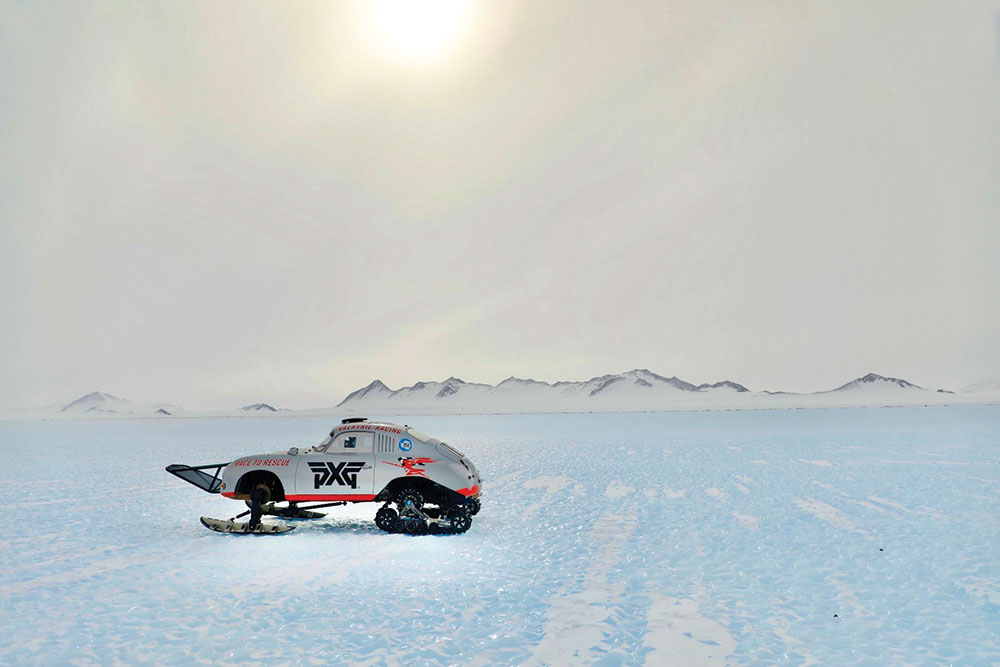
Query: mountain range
point(635, 390)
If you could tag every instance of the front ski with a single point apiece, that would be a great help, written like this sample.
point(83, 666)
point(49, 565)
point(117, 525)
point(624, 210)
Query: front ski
point(230, 526)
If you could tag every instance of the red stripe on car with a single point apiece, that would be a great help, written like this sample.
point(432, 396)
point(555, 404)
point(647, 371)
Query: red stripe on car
point(312, 496)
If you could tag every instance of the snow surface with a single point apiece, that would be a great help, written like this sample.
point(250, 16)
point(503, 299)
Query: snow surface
point(855, 536)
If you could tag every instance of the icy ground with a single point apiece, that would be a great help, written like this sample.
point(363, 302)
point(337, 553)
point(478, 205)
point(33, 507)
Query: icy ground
point(860, 536)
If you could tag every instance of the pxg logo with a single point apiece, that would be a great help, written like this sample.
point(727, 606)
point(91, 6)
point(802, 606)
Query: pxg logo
point(328, 473)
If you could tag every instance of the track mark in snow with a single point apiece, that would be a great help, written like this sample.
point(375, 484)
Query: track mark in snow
point(611, 531)
point(923, 510)
point(718, 494)
point(617, 490)
point(828, 487)
point(552, 484)
point(509, 478)
point(32, 563)
point(75, 575)
point(761, 462)
point(575, 624)
point(845, 595)
point(853, 501)
point(679, 635)
point(924, 463)
point(471, 611)
point(674, 495)
point(983, 479)
point(871, 506)
point(128, 492)
point(780, 629)
point(890, 503)
point(821, 463)
point(742, 489)
point(830, 514)
point(747, 521)
point(981, 587)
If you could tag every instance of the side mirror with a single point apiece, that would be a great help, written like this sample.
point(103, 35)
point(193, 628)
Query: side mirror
point(293, 451)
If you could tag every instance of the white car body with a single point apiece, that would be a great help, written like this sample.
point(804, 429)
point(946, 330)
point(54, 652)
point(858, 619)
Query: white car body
point(361, 461)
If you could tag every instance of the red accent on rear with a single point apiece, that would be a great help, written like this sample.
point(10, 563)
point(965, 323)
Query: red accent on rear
point(469, 492)
point(409, 464)
point(228, 494)
point(361, 497)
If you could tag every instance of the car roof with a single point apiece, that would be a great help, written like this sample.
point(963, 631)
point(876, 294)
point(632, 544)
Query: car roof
point(369, 427)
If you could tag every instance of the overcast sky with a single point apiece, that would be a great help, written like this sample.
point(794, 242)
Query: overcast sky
point(219, 203)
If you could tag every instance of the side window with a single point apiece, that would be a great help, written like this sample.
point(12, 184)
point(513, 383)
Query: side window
point(351, 443)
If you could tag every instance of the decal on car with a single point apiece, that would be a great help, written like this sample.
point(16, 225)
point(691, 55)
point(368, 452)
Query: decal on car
point(412, 466)
point(269, 463)
point(405, 445)
point(328, 473)
point(376, 428)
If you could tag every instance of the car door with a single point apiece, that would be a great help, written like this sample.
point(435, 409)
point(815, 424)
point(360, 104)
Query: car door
point(344, 471)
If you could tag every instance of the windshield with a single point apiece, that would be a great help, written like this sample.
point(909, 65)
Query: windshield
point(326, 443)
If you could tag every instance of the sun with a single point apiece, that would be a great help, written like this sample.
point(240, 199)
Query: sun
point(419, 30)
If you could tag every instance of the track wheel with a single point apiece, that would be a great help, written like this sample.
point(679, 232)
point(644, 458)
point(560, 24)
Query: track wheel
point(460, 519)
point(412, 495)
point(386, 519)
point(409, 526)
point(474, 506)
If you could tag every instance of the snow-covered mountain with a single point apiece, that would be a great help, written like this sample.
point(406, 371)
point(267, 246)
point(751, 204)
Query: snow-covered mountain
point(875, 381)
point(725, 384)
point(258, 407)
point(375, 389)
point(99, 403)
point(635, 390)
point(984, 387)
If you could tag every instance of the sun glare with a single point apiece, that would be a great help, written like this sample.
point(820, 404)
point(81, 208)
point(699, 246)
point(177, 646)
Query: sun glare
point(419, 30)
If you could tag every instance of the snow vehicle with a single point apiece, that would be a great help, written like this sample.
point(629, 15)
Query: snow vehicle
point(424, 485)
